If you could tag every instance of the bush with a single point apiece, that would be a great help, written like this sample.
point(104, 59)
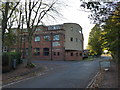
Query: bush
point(8, 57)
point(31, 65)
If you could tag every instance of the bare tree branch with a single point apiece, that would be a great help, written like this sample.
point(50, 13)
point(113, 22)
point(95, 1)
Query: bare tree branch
point(37, 12)
point(13, 10)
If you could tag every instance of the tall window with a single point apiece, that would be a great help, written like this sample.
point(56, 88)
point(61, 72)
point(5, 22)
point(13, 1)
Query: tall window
point(80, 54)
point(36, 51)
point(54, 53)
point(47, 38)
point(76, 54)
point(56, 37)
point(58, 53)
point(71, 39)
point(37, 38)
point(46, 51)
point(71, 54)
point(76, 39)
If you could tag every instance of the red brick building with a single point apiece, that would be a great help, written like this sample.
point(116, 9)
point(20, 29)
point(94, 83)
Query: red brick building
point(56, 42)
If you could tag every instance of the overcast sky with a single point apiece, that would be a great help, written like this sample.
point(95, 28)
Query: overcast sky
point(73, 14)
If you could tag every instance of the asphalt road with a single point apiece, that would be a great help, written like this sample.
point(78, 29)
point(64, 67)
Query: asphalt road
point(68, 74)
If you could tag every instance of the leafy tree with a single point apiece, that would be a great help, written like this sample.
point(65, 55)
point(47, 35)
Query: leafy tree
point(112, 34)
point(107, 14)
point(95, 40)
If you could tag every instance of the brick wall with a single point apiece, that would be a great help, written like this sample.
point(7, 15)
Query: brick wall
point(73, 55)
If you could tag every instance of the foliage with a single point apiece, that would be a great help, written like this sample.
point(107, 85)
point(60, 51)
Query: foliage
point(7, 9)
point(8, 57)
point(107, 14)
point(100, 10)
point(31, 65)
point(112, 34)
point(95, 41)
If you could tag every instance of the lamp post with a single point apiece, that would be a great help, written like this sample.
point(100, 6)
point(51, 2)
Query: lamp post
point(51, 45)
point(23, 37)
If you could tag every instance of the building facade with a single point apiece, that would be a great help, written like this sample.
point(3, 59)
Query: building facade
point(56, 42)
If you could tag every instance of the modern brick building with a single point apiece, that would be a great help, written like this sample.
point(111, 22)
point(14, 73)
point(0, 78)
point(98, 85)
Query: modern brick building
point(56, 42)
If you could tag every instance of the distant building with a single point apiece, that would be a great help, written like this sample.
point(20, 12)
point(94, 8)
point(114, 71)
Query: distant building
point(56, 42)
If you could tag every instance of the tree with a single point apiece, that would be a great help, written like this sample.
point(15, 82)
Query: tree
point(100, 11)
point(95, 40)
point(35, 12)
point(7, 9)
point(109, 16)
point(112, 35)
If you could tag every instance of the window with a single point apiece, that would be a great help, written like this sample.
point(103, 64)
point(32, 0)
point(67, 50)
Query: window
point(37, 38)
point(71, 39)
point(12, 49)
point(46, 51)
point(76, 54)
point(56, 37)
point(55, 44)
point(36, 51)
point(71, 28)
point(47, 38)
point(26, 52)
point(37, 29)
point(54, 53)
point(56, 27)
point(58, 53)
point(71, 54)
point(76, 39)
point(80, 54)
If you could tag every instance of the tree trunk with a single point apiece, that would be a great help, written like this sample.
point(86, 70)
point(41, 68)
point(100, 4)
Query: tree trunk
point(29, 61)
point(4, 21)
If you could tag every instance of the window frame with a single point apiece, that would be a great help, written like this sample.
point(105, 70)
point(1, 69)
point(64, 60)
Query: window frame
point(54, 38)
point(35, 39)
point(46, 52)
point(37, 53)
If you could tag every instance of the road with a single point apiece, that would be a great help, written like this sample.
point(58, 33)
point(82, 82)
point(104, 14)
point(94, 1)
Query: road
point(68, 74)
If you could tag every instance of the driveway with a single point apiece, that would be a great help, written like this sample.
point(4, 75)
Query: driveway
point(64, 74)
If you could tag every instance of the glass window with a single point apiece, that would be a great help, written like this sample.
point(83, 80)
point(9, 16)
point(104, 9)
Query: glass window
point(37, 29)
point(46, 51)
point(56, 37)
point(71, 54)
point(58, 53)
point(37, 38)
point(36, 51)
point(80, 54)
point(55, 44)
point(26, 52)
point(71, 39)
point(76, 39)
point(47, 38)
point(76, 54)
point(54, 53)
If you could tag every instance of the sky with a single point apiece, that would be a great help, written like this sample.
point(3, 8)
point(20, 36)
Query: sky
point(73, 14)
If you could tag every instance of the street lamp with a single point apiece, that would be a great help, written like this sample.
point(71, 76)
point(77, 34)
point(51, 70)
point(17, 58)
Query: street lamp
point(51, 45)
point(23, 37)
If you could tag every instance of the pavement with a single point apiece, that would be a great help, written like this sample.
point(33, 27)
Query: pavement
point(61, 74)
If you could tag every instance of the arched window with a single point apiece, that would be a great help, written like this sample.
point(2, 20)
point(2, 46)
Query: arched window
point(37, 38)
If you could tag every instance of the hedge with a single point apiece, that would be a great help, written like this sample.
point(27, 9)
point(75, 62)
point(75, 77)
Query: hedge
point(8, 57)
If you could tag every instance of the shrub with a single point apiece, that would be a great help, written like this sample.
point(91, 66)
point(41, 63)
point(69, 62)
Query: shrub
point(31, 65)
point(8, 57)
